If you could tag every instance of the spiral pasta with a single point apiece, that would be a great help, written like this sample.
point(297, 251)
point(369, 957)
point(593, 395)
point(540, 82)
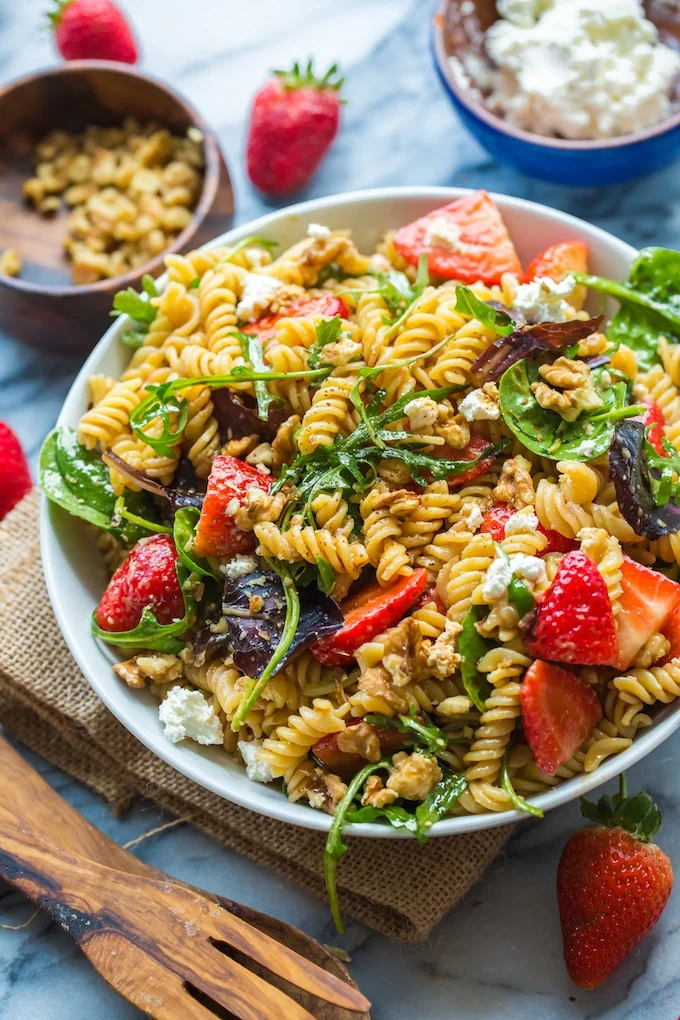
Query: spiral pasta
point(289, 745)
point(308, 544)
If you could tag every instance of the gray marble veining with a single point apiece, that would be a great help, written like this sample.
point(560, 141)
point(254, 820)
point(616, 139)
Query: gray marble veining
point(499, 953)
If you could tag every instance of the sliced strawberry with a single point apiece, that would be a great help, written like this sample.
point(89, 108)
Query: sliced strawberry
point(217, 533)
point(498, 515)
point(429, 595)
point(369, 612)
point(325, 306)
point(346, 764)
point(648, 600)
point(477, 247)
point(558, 713)
point(147, 579)
point(475, 447)
point(653, 416)
point(672, 632)
point(558, 260)
point(574, 621)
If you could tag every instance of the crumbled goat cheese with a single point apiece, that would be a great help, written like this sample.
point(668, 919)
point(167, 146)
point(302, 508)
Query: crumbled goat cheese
point(186, 715)
point(478, 406)
point(257, 256)
point(587, 448)
point(318, 230)
point(239, 566)
point(256, 770)
point(422, 413)
point(522, 523)
point(379, 264)
point(473, 517)
point(258, 294)
point(498, 577)
point(543, 300)
point(579, 69)
point(528, 568)
point(442, 233)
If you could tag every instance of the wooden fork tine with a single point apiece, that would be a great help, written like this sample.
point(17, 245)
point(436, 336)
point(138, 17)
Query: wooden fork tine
point(284, 962)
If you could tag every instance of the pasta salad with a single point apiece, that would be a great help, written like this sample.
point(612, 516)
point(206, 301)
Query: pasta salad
point(398, 530)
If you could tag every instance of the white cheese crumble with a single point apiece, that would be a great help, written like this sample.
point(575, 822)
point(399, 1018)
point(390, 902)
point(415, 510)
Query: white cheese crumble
point(256, 770)
point(257, 257)
point(318, 230)
point(478, 406)
point(473, 517)
point(379, 264)
point(528, 568)
point(522, 523)
point(544, 300)
point(442, 233)
point(422, 413)
point(579, 69)
point(498, 577)
point(239, 566)
point(258, 293)
point(186, 715)
point(587, 448)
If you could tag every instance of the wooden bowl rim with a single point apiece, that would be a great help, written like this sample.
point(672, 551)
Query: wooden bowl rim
point(211, 180)
point(565, 144)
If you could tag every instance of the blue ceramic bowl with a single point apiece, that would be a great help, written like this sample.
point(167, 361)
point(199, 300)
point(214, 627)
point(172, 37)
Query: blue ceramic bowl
point(578, 163)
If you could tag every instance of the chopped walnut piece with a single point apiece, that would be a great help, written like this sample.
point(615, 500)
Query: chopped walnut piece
point(340, 353)
point(159, 667)
point(566, 373)
point(10, 262)
point(259, 507)
point(240, 447)
point(376, 794)
point(282, 444)
point(443, 658)
point(285, 297)
point(325, 791)
point(455, 432)
point(377, 683)
point(552, 400)
point(360, 739)
point(400, 502)
point(515, 486)
point(403, 655)
point(414, 775)
point(262, 457)
point(572, 376)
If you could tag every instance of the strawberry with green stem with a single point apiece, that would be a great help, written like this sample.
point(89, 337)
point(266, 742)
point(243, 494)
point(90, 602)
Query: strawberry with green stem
point(612, 885)
point(92, 30)
point(294, 119)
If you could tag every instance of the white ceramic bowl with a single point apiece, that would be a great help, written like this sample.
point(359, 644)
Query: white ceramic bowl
point(75, 576)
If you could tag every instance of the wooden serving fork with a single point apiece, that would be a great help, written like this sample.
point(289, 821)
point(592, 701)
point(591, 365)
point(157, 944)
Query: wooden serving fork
point(170, 949)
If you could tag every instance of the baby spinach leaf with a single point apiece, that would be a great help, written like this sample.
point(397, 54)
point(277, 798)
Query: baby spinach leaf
point(78, 480)
point(520, 597)
point(183, 534)
point(467, 303)
point(527, 341)
point(650, 303)
point(326, 575)
point(335, 848)
point(471, 648)
point(120, 510)
point(151, 634)
point(439, 800)
point(545, 432)
point(516, 800)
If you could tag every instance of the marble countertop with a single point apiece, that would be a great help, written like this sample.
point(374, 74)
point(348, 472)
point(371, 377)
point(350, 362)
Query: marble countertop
point(499, 952)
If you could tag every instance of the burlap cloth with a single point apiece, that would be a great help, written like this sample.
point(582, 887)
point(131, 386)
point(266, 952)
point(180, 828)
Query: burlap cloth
point(399, 888)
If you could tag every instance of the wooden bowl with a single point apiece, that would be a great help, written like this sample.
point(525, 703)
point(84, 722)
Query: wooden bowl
point(42, 307)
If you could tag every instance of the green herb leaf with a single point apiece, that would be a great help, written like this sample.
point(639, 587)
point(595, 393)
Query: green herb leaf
point(520, 597)
point(650, 303)
point(183, 534)
point(252, 352)
point(439, 801)
point(471, 648)
point(516, 800)
point(120, 510)
point(327, 576)
point(411, 293)
point(327, 332)
point(335, 848)
point(78, 480)
point(467, 303)
point(397, 816)
point(129, 302)
point(420, 734)
point(255, 687)
point(134, 338)
point(149, 633)
point(545, 432)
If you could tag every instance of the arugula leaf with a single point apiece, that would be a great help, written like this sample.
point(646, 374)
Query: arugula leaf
point(252, 352)
point(471, 648)
point(545, 432)
point(183, 534)
point(134, 338)
point(410, 293)
point(78, 480)
point(425, 734)
point(327, 332)
point(650, 303)
point(516, 800)
point(467, 303)
point(397, 816)
point(439, 801)
point(151, 634)
point(130, 302)
point(335, 848)
point(254, 687)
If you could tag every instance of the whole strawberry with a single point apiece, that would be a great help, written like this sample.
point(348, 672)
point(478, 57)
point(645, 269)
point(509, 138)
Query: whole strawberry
point(15, 478)
point(612, 885)
point(92, 30)
point(294, 119)
point(147, 579)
